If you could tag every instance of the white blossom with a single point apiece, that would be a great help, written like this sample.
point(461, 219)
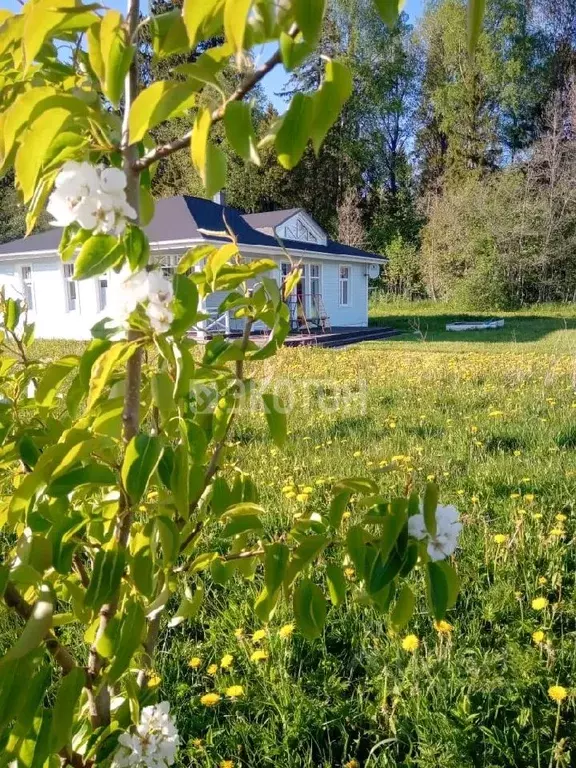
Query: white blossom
point(153, 744)
point(93, 197)
point(152, 290)
point(448, 527)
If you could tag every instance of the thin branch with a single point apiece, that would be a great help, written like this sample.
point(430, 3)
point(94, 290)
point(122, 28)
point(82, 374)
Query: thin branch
point(100, 703)
point(247, 85)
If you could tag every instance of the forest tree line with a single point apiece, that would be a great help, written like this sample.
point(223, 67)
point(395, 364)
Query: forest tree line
point(461, 170)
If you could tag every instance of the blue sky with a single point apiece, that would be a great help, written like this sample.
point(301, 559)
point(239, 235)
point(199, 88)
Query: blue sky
point(276, 80)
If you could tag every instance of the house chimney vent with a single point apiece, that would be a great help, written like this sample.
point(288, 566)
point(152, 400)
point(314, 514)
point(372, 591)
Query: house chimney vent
point(220, 197)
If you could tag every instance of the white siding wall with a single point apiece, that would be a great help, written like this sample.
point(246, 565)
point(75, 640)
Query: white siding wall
point(356, 313)
point(54, 321)
point(50, 314)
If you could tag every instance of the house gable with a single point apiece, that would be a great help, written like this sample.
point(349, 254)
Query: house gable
point(301, 227)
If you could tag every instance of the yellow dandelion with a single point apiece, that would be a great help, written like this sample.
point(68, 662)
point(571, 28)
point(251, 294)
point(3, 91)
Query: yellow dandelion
point(352, 764)
point(259, 635)
point(537, 515)
point(538, 637)
point(443, 627)
point(198, 743)
point(239, 633)
point(308, 489)
point(302, 497)
point(210, 699)
point(557, 693)
point(356, 454)
point(259, 656)
point(226, 661)
point(285, 631)
point(561, 518)
point(474, 499)
point(154, 680)
point(514, 495)
point(227, 764)
point(557, 532)
point(195, 662)
point(500, 538)
point(539, 603)
point(410, 643)
point(529, 497)
point(212, 669)
point(542, 580)
point(235, 691)
point(349, 573)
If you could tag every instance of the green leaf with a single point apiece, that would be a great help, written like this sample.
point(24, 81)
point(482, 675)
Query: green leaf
point(430, 503)
point(168, 34)
point(161, 101)
point(140, 461)
point(309, 15)
point(217, 259)
point(13, 695)
point(235, 20)
point(53, 377)
point(389, 10)
point(169, 538)
point(117, 355)
point(105, 579)
point(274, 411)
point(184, 304)
point(452, 582)
point(117, 53)
point(334, 92)
point(35, 691)
point(240, 131)
point(12, 314)
point(476, 10)
point(64, 706)
point(129, 639)
point(356, 540)
point(92, 474)
point(42, 132)
point(275, 563)
point(193, 256)
point(307, 551)
point(137, 247)
point(309, 606)
point(295, 131)
point(355, 485)
point(242, 524)
point(403, 609)
point(36, 629)
point(196, 13)
point(189, 606)
point(336, 584)
point(93, 351)
point(97, 254)
point(294, 51)
point(208, 159)
point(438, 589)
point(142, 571)
point(337, 508)
point(265, 604)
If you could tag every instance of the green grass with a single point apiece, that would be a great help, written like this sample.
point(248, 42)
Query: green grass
point(490, 415)
point(493, 420)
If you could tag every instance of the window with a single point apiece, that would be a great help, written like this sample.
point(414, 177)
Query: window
point(344, 286)
point(315, 279)
point(70, 288)
point(28, 286)
point(102, 291)
point(168, 266)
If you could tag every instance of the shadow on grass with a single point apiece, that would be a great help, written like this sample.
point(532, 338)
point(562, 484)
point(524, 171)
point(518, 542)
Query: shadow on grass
point(429, 327)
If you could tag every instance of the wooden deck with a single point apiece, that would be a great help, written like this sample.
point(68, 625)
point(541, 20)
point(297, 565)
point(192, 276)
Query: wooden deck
point(336, 337)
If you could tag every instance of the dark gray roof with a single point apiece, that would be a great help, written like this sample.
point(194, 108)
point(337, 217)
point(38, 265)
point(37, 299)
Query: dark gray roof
point(183, 218)
point(270, 219)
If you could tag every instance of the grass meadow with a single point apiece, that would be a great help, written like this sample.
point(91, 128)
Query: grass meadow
point(491, 416)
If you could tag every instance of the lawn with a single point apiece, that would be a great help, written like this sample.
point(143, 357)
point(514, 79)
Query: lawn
point(491, 416)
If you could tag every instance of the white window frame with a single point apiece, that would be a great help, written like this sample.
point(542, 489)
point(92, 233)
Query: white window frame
point(67, 276)
point(102, 305)
point(341, 281)
point(28, 282)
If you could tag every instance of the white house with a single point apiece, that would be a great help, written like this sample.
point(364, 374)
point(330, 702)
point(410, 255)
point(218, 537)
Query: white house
point(333, 291)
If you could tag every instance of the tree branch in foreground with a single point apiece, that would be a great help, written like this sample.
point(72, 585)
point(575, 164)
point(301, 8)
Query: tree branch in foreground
point(247, 85)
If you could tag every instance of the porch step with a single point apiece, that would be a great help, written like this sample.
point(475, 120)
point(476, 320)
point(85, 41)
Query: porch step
point(342, 338)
